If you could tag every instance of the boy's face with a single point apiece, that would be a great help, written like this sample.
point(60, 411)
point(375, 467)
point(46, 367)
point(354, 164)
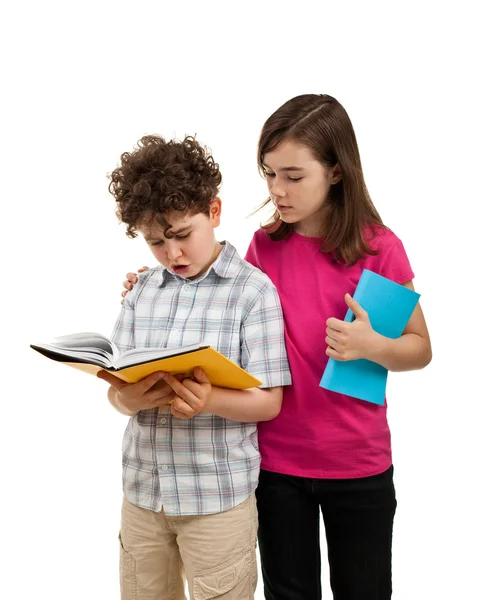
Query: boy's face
point(189, 246)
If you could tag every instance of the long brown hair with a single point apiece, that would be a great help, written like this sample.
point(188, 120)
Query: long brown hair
point(319, 122)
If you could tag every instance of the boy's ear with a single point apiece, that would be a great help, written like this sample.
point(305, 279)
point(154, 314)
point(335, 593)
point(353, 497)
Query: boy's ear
point(215, 211)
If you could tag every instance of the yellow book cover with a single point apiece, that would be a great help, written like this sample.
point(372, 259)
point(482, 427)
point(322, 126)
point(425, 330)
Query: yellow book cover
point(91, 352)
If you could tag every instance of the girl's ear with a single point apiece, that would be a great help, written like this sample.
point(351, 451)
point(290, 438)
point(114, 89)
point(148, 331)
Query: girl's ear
point(336, 174)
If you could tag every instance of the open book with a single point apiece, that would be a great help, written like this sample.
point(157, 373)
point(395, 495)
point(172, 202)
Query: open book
point(91, 352)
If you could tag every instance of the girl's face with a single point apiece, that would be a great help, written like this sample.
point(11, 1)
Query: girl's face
point(299, 185)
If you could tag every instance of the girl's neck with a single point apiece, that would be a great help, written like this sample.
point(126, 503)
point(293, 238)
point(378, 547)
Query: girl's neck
point(311, 226)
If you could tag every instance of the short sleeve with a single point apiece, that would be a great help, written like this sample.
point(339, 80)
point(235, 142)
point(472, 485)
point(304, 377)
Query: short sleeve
point(263, 350)
point(397, 266)
point(124, 332)
point(391, 261)
point(251, 254)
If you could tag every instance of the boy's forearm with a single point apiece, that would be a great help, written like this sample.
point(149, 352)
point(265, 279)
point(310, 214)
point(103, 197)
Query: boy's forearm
point(113, 398)
point(249, 406)
point(407, 353)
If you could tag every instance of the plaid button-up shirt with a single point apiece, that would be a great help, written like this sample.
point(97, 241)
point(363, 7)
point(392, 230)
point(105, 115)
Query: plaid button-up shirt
point(206, 464)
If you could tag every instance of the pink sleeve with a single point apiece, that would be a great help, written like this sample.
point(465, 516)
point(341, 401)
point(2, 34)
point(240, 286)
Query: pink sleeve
point(395, 263)
point(391, 261)
point(251, 254)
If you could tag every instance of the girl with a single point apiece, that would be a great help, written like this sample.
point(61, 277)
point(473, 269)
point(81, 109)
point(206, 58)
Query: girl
point(325, 451)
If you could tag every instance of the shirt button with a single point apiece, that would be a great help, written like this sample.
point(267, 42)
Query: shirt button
point(164, 467)
point(187, 287)
point(164, 420)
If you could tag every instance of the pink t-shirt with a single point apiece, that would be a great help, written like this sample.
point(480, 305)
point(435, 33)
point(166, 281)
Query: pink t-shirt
point(322, 434)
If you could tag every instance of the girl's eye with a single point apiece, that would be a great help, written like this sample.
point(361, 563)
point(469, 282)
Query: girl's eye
point(295, 178)
point(268, 174)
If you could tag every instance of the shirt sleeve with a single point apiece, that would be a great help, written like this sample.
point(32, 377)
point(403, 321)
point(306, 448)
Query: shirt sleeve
point(393, 263)
point(124, 332)
point(263, 351)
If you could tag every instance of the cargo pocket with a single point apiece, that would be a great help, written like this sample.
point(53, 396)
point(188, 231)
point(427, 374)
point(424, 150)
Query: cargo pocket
point(237, 571)
point(128, 577)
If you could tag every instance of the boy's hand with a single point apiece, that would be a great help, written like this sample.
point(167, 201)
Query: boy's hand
point(350, 341)
point(150, 392)
point(191, 395)
point(131, 280)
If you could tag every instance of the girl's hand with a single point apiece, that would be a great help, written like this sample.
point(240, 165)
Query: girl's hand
point(191, 395)
point(131, 280)
point(350, 341)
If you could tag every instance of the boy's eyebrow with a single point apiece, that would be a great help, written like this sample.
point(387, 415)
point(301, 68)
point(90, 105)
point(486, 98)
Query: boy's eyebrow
point(178, 231)
point(152, 238)
point(285, 168)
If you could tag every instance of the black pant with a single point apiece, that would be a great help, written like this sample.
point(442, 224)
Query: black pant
point(358, 517)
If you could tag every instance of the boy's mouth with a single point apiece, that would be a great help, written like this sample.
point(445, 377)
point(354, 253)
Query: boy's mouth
point(180, 269)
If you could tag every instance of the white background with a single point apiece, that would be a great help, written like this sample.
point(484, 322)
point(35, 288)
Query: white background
point(82, 83)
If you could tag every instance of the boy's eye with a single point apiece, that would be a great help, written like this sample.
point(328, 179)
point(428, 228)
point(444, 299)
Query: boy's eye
point(182, 237)
point(156, 243)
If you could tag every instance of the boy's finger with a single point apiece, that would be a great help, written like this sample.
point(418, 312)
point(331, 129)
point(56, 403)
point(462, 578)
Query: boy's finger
point(183, 392)
point(200, 375)
point(114, 381)
point(174, 383)
point(181, 409)
point(158, 395)
point(146, 383)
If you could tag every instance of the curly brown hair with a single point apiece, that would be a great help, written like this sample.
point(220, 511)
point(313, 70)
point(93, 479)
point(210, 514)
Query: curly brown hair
point(161, 178)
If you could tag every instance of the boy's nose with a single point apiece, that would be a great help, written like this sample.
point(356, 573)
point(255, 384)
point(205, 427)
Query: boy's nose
point(174, 253)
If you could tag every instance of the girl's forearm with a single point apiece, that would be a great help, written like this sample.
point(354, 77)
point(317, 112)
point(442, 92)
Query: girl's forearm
point(407, 353)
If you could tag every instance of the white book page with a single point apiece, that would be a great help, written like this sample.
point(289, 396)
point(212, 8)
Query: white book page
point(141, 355)
point(87, 346)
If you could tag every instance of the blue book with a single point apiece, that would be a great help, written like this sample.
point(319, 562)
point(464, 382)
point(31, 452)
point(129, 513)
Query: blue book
point(389, 307)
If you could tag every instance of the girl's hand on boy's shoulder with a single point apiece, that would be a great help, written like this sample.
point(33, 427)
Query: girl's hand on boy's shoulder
point(350, 340)
point(192, 395)
point(131, 280)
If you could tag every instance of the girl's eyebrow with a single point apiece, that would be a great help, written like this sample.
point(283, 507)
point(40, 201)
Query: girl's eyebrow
point(266, 166)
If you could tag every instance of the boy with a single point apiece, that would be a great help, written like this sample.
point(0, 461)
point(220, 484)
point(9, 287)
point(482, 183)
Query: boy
point(190, 468)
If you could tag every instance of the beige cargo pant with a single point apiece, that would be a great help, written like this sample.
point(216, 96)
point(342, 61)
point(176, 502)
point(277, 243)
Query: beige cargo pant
point(216, 553)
